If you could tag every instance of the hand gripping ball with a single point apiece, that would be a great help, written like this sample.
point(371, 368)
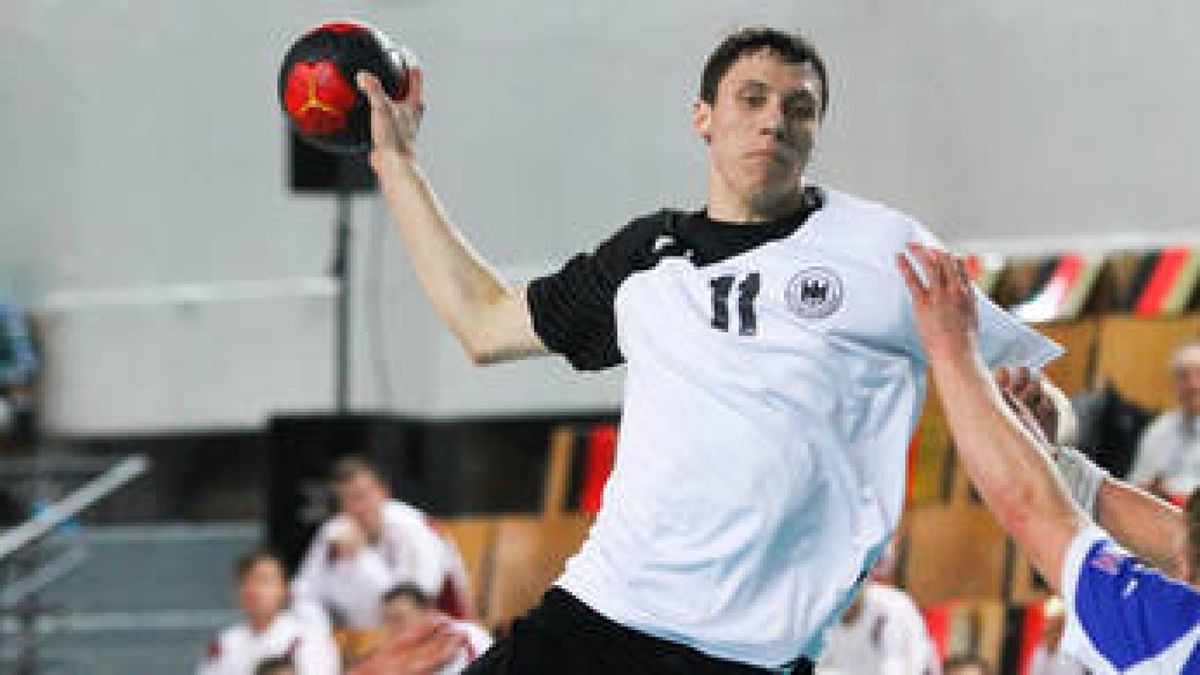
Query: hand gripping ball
point(317, 88)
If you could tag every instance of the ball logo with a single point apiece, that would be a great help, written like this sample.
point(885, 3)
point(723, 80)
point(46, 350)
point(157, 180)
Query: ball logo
point(814, 293)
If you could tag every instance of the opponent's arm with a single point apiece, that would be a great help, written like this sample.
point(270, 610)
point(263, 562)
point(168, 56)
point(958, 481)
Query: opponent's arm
point(490, 319)
point(1148, 526)
point(1004, 461)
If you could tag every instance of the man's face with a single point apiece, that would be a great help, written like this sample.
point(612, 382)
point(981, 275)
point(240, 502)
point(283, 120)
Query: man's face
point(400, 613)
point(362, 497)
point(263, 590)
point(1186, 378)
point(762, 126)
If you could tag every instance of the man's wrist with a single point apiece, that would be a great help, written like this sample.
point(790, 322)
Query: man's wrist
point(393, 161)
point(952, 351)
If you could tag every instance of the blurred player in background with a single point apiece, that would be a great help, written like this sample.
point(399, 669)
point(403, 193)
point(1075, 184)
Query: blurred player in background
point(883, 633)
point(373, 544)
point(1168, 457)
point(269, 630)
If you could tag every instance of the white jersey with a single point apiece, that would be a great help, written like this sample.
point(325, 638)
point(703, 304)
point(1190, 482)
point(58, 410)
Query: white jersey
point(350, 590)
point(238, 650)
point(1170, 450)
point(769, 401)
point(888, 637)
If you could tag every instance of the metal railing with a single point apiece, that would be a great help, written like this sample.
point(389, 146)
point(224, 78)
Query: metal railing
point(39, 552)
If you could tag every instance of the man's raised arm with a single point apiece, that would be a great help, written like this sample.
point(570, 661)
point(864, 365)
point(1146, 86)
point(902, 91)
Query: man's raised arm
point(490, 319)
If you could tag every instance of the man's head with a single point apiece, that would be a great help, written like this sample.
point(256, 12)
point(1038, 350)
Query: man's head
point(262, 586)
point(361, 491)
point(403, 606)
point(967, 664)
point(1185, 375)
point(275, 665)
point(763, 94)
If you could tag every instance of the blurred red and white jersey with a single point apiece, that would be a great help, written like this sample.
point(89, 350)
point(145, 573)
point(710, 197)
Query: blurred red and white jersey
point(239, 649)
point(888, 637)
point(349, 590)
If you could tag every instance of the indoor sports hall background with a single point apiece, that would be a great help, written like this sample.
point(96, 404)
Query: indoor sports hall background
point(177, 287)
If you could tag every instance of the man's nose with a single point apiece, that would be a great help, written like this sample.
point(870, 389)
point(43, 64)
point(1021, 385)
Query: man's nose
point(772, 118)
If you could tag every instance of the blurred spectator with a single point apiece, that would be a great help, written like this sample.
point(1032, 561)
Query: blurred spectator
point(1109, 427)
point(966, 664)
point(881, 633)
point(373, 544)
point(18, 366)
point(270, 631)
point(1047, 659)
point(276, 665)
point(1168, 458)
point(405, 607)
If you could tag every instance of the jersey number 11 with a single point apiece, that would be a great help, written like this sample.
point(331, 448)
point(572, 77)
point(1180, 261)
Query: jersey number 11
point(747, 291)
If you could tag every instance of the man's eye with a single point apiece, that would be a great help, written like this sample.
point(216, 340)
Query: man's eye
point(754, 100)
point(804, 110)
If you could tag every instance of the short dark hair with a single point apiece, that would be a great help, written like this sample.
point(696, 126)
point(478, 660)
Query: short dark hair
point(247, 562)
point(410, 591)
point(275, 665)
point(791, 47)
point(346, 468)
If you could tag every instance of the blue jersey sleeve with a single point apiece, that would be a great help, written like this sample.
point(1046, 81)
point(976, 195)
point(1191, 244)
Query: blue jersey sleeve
point(1124, 616)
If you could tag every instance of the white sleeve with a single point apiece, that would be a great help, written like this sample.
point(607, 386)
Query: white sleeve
point(423, 553)
point(1003, 339)
point(318, 654)
point(1152, 452)
point(307, 601)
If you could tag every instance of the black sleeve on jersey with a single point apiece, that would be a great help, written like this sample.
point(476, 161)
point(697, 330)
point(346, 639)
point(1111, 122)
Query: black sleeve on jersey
point(573, 309)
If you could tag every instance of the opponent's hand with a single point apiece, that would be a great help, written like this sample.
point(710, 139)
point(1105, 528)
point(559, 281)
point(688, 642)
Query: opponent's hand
point(423, 649)
point(1028, 390)
point(394, 124)
point(944, 304)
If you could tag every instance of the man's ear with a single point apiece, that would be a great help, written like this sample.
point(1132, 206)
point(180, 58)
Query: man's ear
point(702, 120)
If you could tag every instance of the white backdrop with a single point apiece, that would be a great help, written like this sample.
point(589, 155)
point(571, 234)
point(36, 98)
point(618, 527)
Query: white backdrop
point(144, 150)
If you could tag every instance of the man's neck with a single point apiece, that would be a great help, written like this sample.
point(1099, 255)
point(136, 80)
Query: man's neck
point(259, 624)
point(723, 206)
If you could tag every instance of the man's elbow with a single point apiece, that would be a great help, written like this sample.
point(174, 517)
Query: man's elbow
point(483, 348)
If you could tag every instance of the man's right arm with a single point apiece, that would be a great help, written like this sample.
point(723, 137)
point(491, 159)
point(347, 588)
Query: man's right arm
point(490, 319)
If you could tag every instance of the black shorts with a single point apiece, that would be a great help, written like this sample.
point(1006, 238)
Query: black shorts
point(563, 636)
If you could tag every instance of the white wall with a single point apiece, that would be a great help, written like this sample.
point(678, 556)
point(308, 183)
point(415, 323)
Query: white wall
point(144, 148)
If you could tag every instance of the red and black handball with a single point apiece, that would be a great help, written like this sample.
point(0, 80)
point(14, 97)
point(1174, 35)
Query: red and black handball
point(317, 88)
